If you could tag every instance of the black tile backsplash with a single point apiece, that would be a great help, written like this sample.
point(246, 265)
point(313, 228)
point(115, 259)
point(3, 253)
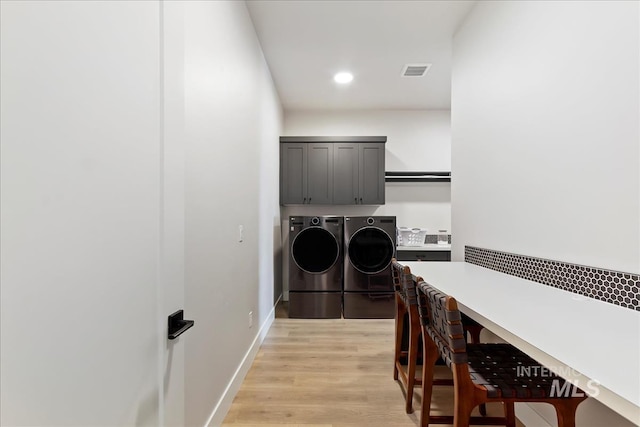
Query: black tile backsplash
point(614, 287)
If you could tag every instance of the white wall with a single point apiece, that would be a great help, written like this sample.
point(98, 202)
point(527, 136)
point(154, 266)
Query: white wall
point(232, 124)
point(136, 137)
point(416, 141)
point(545, 131)
point(545, 142)
point(80, 210)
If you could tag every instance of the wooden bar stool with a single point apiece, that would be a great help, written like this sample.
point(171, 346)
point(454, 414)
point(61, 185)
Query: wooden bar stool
point(406, 304)
point(407, 309)
point(482, 372)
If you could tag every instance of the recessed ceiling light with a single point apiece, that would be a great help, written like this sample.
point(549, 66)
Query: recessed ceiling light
point(343, 77)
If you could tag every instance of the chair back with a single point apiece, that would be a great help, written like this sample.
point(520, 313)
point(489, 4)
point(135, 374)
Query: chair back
point(403, 282)
point(442, 321)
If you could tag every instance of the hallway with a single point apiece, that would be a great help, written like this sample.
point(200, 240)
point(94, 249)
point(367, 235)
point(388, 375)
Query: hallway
point(328, 373)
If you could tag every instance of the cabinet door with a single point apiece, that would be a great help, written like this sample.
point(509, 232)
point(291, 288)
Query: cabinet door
point(371, 176)
point(345, 174)
point(319, 173)
point(293, 173)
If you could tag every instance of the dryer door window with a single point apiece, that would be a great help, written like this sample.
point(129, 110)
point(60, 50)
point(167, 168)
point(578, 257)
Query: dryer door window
point(315, 250)
point(370, 250)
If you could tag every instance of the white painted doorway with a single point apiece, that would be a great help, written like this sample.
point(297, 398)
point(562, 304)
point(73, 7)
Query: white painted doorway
point(130, 143)
point(92, 259)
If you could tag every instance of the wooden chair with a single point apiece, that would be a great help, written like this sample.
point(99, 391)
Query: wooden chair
point(407, 309)
point(406, 304)
point(482, 372)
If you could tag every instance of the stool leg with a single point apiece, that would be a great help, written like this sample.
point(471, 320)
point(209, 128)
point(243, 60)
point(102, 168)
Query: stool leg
point(474, 333)
point(429, 357)
point(483, 409)
point(566, 411)
point(400, 312)
point(462, 410)
point(412, 358)
point(510, 414)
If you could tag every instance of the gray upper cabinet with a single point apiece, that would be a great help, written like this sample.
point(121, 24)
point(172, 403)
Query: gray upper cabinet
point(293, 173)
point(332, 170)
point(306, 173)
point(319, 173)
point(345, 173)
point(371, 173)
point(358, 176)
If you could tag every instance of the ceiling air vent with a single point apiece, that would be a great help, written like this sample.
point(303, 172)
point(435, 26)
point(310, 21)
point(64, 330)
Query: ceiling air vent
point(415, 70)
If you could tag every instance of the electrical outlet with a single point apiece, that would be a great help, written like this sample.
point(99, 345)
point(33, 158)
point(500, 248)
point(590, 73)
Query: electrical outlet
point(251, 319)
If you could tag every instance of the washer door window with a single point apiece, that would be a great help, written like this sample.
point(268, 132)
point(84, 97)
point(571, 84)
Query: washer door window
point(370, 250)
point(315, 250)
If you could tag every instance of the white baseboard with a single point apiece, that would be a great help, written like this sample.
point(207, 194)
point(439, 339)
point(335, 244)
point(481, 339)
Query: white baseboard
point(529, 417)
point(224, 404)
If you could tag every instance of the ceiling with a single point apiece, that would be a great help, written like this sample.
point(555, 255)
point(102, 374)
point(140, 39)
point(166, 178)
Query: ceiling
point(306, 42)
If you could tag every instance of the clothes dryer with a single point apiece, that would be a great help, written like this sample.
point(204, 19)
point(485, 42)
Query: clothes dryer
point(315, 267)
point(370, 246)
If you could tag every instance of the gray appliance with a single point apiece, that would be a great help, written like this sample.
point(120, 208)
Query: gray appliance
point(315, 267)
point(369, 247)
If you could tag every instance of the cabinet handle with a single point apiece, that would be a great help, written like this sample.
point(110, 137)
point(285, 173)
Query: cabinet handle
point(360, 200)
point(355, 199)
point(309, 199)
point(304, 200)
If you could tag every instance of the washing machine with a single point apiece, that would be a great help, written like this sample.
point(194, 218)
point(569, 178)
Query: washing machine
point(369, 246)
point(315, 266)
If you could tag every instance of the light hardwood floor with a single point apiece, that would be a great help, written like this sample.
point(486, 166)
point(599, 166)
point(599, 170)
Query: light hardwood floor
point(328, 373)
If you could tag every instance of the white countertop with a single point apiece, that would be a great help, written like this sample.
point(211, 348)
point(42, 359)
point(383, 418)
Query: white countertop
point(560, 329)
point(425, 247)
